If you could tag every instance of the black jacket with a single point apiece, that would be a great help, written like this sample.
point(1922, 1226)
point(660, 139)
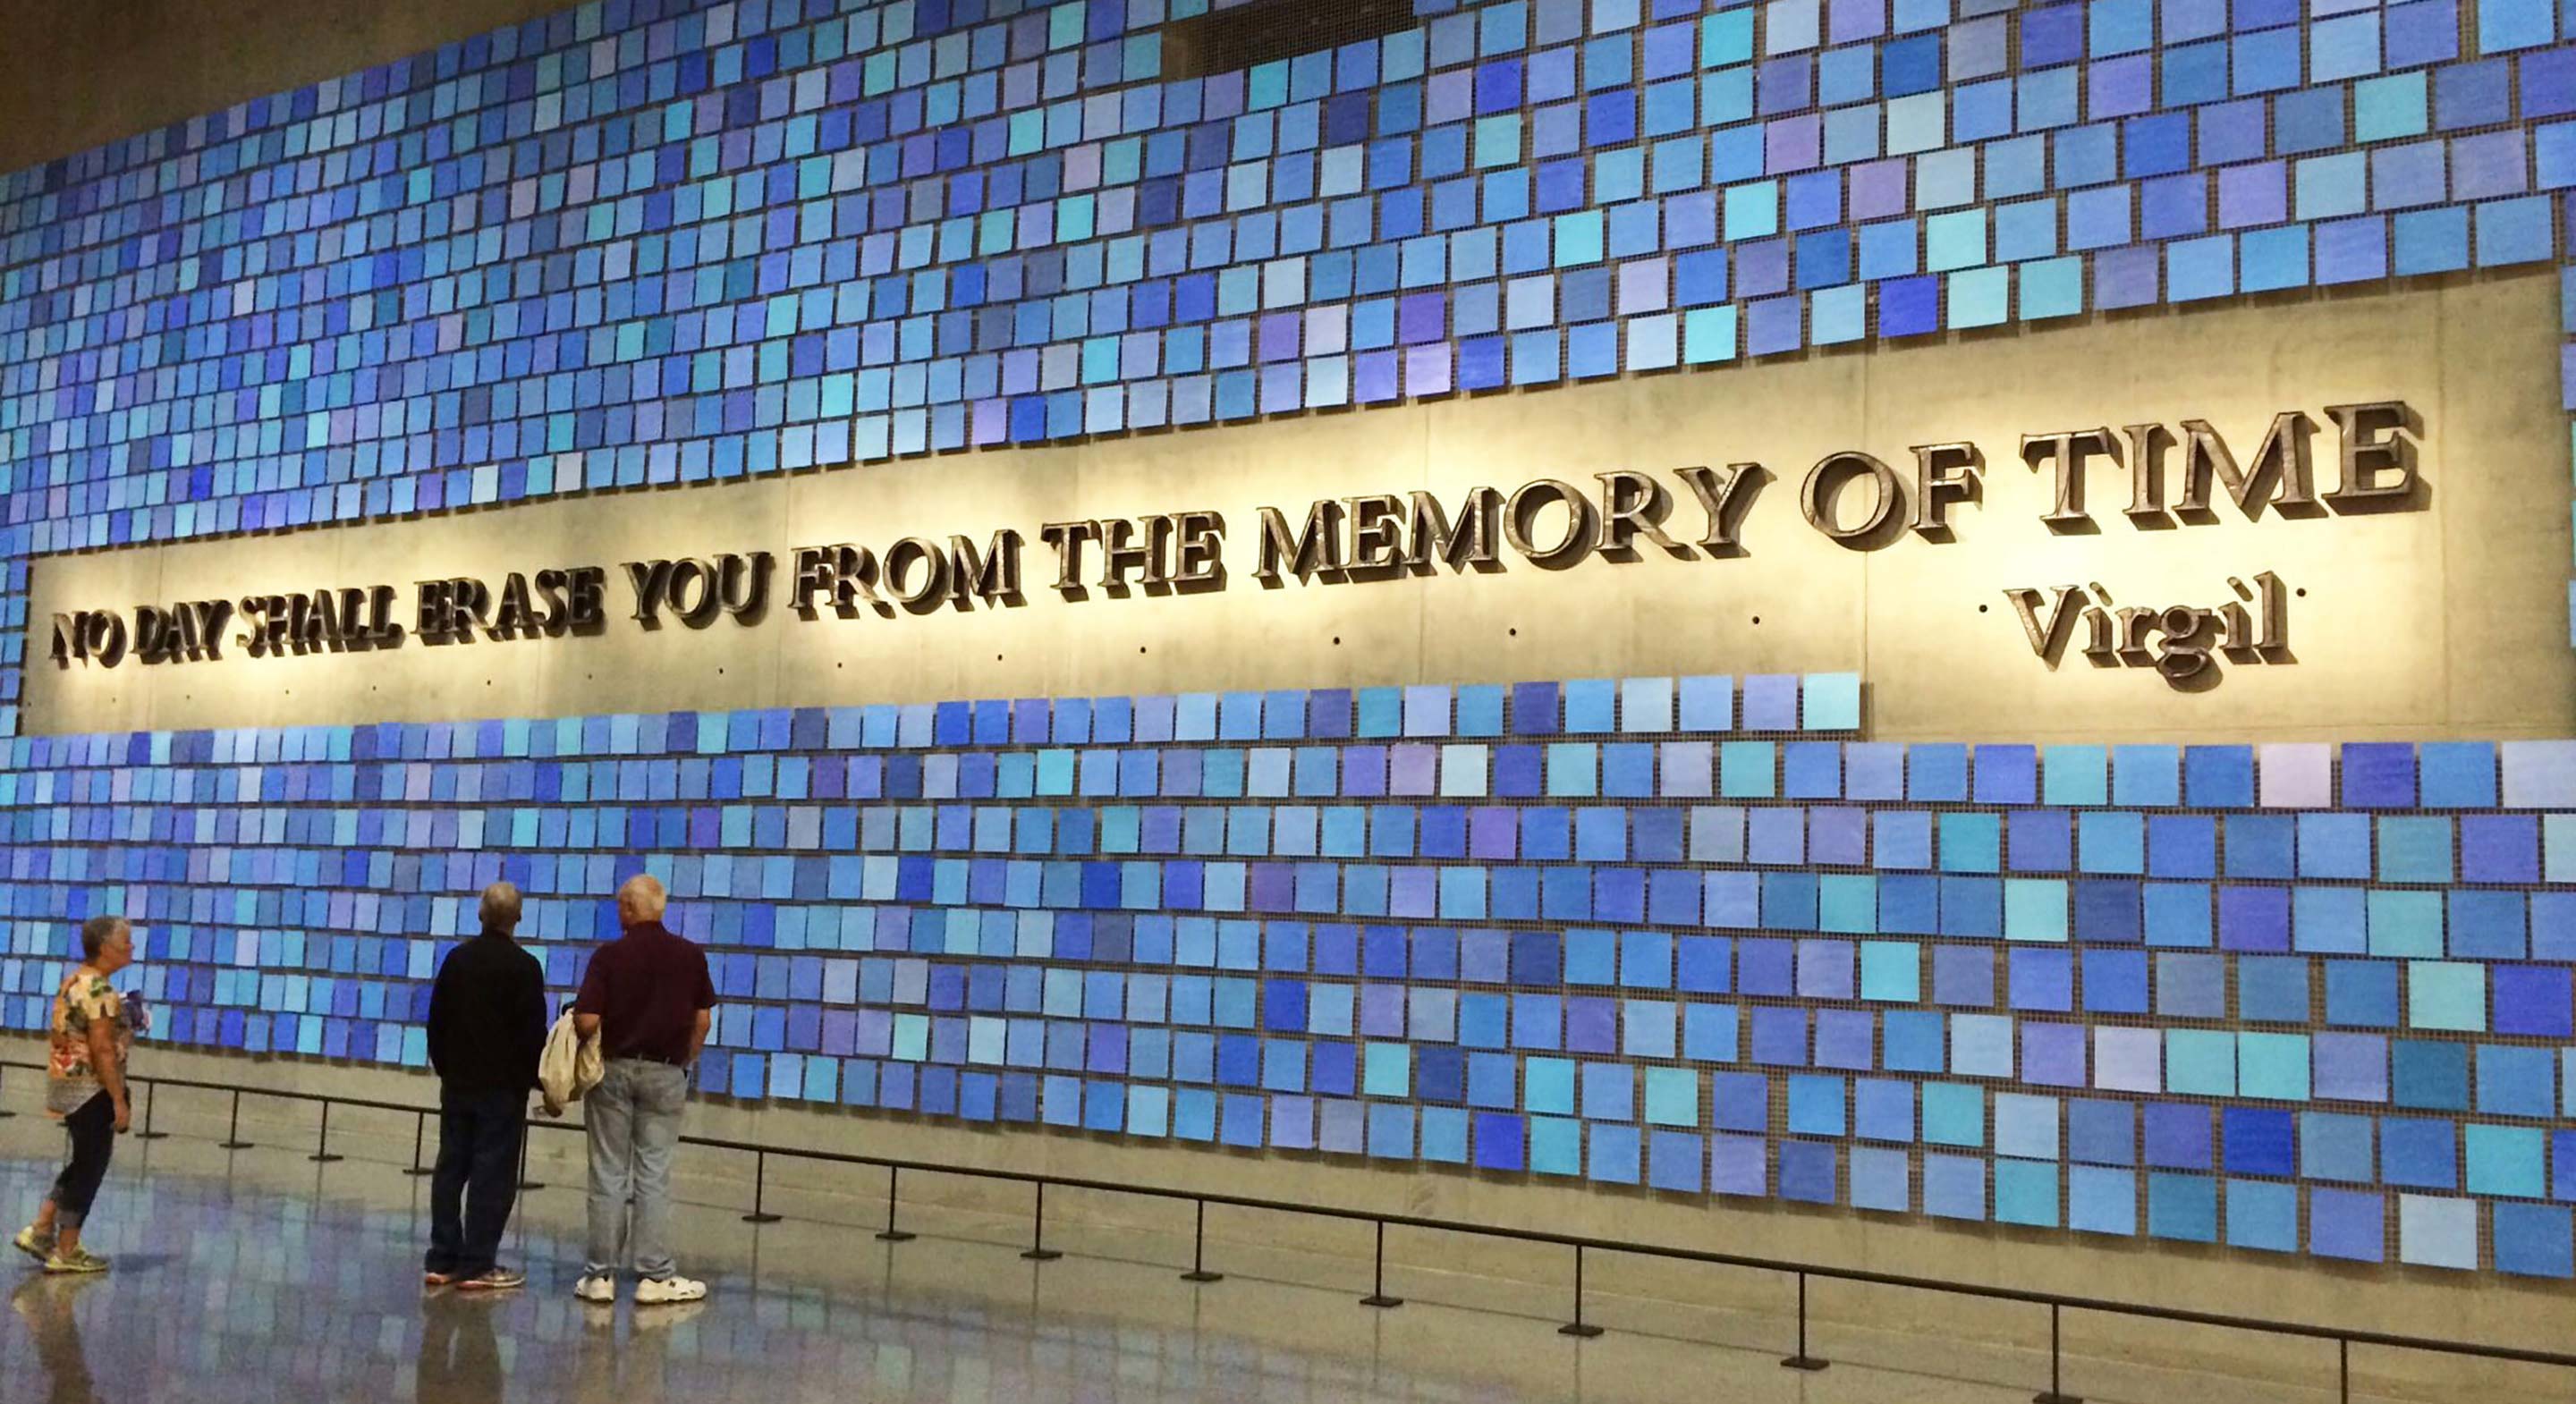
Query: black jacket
point(487, 1016)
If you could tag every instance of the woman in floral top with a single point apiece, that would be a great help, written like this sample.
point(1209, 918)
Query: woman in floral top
point(86, 1091)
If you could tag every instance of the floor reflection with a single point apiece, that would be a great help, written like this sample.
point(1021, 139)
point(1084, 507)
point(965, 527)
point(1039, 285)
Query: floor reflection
point(460, 1357)
point(241, 1279)
point(45, 1305)
point(255, 1278)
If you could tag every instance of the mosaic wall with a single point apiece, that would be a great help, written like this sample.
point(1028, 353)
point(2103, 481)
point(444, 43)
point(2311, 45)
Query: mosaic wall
point(1696, 934)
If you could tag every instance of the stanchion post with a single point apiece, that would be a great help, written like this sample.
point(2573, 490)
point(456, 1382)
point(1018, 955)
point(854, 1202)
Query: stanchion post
point(759, 1191)
point(1377, 1296)
point(526, 1184)
point(322, 1143)
point(151, 1099)
point(1198, 1251)
point(419, 1129)
point(2343, 1371)
point(5, 1113)
point(2056, 1393)
point(1038, 1251)
point(894, 1188)
point(1802, 1360)
point(232, 1139)
point(1578, 1327)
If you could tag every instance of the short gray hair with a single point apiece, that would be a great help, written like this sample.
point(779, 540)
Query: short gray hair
point(642, 895)
point(501, 905)
point(98, 931)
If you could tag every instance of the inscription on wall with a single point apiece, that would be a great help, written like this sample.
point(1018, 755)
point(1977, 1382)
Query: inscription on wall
point(2351, 458)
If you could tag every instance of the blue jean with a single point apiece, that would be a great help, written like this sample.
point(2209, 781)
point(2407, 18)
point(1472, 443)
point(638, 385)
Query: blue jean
point(633, 1116)
point(477, 1179)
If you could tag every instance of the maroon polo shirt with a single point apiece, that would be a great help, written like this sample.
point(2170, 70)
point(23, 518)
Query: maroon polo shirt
point(647, 987)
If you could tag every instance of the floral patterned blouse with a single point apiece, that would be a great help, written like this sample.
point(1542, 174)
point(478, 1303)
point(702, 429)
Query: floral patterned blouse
point(84, 1001)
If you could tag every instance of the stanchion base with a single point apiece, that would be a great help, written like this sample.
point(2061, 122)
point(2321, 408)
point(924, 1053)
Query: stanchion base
point(894, 1236)
point(420, 1171)
point(2053, 1397)
point(5, 1115)
point(1808, 1363)
point(151, 1135)
point(325, 1159)
point(1382, 1300)
point(235, 1145)
point(532, 1184)
point(760, 1218)
point(1202, 1275)
point(1583, 1330)
point(1042, 1255)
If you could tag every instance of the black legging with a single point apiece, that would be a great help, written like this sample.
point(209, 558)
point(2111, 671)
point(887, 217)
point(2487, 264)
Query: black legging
point(93, 1132)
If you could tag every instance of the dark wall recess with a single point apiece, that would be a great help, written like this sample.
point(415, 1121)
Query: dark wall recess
point(1226, 41)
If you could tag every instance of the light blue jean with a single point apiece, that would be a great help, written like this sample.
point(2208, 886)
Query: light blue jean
point(633, 1116)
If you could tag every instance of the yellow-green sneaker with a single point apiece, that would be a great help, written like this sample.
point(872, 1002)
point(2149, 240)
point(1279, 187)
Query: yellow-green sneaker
point(33, 1245)
point(78, 1260)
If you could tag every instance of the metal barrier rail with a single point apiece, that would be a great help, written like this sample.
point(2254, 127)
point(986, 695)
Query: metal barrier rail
point(2057, 1303)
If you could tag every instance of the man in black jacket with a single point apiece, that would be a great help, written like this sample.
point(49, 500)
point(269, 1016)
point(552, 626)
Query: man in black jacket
point(487, 1028)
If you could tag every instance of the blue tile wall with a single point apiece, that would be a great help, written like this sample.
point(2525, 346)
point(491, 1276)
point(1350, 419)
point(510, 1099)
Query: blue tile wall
point(644, 243)
point(1695, 934)
point(1682, 933)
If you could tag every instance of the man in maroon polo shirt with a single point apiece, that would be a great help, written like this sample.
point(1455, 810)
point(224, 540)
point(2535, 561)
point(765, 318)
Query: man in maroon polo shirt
point(647, 998)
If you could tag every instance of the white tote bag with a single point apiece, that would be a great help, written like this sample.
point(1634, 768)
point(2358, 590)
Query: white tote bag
point(570, 1066)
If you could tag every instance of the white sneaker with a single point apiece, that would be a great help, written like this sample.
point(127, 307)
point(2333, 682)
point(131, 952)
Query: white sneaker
point(596, 1289)
point(659, 1291)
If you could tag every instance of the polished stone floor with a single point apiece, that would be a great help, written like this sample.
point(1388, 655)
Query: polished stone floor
point(255, 1276)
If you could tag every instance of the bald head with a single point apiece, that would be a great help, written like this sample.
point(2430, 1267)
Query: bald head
point(640, 899)
point(500, 909)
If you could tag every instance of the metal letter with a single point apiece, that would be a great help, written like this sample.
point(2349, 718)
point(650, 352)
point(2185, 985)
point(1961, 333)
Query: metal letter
point(2098, 645)
point(1582, 524)
point(1633, 504)
point(1470, 543)
point(429, 619)
point(1199, 549)
point(934, 572)
point(106, 637)
point(213, 616)
point(690, 589)
point(1717, 497)
point(471, 598)
point(2146, 472)
point(550, 608)
point(2184, 652)
point(585, 599)
point(1067, 539)
point(2066, 451)
point(1944, 473)
point(2280, 473)
point(813, 572)
point(854, 574)
point(512, 615)
point(2275, 637)
point(2047, 640)
point(2374, 445)
point(992, 575)
point(742, 582)
point(152, 635)
point(1317, 548)
point(354, 630)
point(1377, 527)
point(650, 578)
point(1824, 486)
point(277, 625)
